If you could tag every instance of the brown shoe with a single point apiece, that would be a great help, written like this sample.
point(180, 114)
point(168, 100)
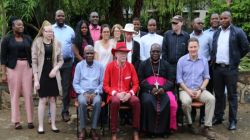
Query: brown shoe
point(113, 136)
point(136, 135)
point(207, 133)
point(94, 135)
point(82, 135)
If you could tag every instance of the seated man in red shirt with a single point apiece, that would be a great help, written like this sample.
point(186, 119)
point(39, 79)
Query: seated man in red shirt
point(121, 84)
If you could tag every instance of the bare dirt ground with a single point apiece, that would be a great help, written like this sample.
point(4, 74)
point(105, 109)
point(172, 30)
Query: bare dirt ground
point(68, 130)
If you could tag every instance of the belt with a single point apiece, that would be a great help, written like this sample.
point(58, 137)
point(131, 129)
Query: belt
point(222, 65)
point(22, 59)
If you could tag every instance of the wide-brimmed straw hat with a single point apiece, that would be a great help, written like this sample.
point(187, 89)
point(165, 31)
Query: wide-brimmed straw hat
point(129, 27)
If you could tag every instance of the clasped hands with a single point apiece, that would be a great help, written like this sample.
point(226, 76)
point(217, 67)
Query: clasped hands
point(89, 97)
point(194, 94)
point(156, 91)
point(123, 96)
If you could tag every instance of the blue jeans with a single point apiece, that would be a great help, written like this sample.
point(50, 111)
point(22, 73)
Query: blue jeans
point(96, 103)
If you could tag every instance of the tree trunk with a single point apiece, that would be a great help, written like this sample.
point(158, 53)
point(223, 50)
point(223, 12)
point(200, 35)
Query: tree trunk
point(4, 20)
point(137, 8)
point(116, 12)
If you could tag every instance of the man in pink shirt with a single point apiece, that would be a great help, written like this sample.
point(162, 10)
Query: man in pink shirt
point(94, 28)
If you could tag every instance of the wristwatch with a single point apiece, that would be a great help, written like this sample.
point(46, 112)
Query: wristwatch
point(202, 89)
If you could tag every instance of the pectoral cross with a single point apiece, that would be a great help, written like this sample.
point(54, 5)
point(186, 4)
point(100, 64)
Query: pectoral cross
point(156, 85)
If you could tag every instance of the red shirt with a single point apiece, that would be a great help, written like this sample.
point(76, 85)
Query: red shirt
point(120, 79)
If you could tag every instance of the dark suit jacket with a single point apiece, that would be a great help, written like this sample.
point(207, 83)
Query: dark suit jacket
point(142, 33)
point(136, 54)
point(9, 52)
point(238, 46)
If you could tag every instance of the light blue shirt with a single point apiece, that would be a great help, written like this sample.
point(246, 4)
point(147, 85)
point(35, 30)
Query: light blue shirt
point(88, 78)
point(65, 36)
point(205, 43)
point(192, 72)
point(210, 32)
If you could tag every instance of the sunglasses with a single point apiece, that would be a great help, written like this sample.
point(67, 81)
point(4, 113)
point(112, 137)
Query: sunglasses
point(175, 23)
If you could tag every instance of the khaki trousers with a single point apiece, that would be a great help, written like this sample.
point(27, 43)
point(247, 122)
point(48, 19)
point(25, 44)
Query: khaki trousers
point(205, 97)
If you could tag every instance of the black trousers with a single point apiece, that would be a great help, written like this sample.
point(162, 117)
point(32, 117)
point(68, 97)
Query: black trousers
point(65, 72)
point(224, 76)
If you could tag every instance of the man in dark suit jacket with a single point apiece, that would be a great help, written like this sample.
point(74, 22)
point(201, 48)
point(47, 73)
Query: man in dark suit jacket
point(230, 44)
point(134, 46)
point(137, 26)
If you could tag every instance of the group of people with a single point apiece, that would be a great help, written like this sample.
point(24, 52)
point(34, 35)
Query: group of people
point(146, 71)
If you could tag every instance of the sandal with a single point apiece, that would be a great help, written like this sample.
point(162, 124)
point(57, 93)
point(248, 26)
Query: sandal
point(18, 126)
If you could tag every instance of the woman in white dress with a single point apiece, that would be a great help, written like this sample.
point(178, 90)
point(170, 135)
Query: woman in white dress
point(104, 46)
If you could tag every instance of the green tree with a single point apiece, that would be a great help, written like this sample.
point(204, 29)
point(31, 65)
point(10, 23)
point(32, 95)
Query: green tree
point(240, 10)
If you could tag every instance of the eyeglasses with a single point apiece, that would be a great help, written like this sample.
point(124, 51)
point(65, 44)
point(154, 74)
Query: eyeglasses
point(201, 23)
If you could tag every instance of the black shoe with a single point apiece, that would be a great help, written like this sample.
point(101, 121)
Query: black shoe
point(31, 125)
point(217, 121)
point(18, 126)
point(55, 131)
point(232, 125)
point(40, 132)
point(65, 117)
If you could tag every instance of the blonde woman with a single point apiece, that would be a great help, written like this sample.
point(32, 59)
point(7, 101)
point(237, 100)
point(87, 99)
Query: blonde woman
point(116, 33)
point(46, 61)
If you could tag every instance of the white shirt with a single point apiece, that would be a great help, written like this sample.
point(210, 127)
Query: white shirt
point(104, 54)
point(222, 55)
point(130, 47)
point(146, 42)
point(137, 37)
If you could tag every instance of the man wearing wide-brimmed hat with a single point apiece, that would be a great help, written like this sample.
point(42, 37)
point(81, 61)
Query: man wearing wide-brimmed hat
point(121, 84)
point(134, 55)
